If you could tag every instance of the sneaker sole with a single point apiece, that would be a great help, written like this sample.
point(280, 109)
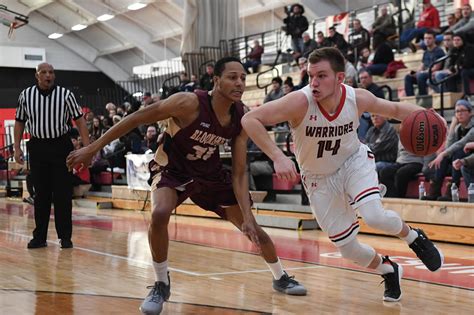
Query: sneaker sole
point(400, 275)
point(289, 293)
point(441, 258)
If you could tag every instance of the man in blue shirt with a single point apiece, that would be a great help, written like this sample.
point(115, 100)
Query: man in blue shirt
point(420, 77)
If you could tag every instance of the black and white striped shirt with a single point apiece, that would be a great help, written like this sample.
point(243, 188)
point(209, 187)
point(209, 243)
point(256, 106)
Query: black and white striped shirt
point(47, 114)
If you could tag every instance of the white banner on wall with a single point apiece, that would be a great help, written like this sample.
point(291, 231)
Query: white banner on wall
point(137, 171)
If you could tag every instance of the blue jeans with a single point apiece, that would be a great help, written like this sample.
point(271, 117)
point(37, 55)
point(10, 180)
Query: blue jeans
point(419, 79)
point(297, 44)
point(380, 165)
point(468, 175)
point(445, 167)
point(408, 35)
point(449, 86)
point(466, 76)
point(377, 69)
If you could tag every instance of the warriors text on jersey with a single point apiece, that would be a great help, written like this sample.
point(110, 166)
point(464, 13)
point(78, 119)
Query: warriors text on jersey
point(193, 152)
point(324, 141)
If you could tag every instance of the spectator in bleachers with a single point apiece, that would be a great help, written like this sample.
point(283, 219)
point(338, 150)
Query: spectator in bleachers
point(367, 82)
point(304, 77)
point(295, 25)
point(449, 67)
point(338, 40)
point(107, 123)
point(116, 119)
point(365, 121)
point(288, 86)
point(207, 82)
point(309, 45)
point(322, 41)
point(351, 81)
point(466, 23)
point(193, 84)
point(365, 59)
point(383, 27)
point(466, 164)
point(110, 106)
point(461, 125)
point(458, 14)
point(97, 129)
point(451, 19)
point(112, 113)
point(420, 77)
point(147, 99)
point(358, 39)
point(184, 82)
point(350, 71)
point(397, 176)
point(254, 58)
point(464, 61)
point(151, 139)
point(428, 20)
point(382, 57)
point(382, 139)
point(276, 92)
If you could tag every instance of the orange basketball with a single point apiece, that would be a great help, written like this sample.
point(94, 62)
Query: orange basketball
point(422, 132)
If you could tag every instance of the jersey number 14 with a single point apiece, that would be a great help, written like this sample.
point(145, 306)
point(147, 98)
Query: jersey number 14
point(326, 145)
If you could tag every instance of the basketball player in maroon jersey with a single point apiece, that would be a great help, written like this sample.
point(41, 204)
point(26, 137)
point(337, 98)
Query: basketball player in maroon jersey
point(187, 164)
point(338, 171)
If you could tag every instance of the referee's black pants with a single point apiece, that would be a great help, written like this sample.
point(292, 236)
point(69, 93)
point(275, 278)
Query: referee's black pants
point(52, 183)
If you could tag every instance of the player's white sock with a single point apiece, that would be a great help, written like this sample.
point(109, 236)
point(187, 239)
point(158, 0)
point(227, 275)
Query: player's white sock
point(384, 268)
point(276, 268)
point(161, 271)
point(411, 237)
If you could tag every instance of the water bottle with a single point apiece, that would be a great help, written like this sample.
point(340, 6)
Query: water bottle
point(454, 193)
point(421, 190)
point(470, 193)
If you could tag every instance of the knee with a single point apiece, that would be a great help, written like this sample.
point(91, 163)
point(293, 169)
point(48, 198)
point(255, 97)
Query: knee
point(377, 217)
point(361, 254)
point(160, 217)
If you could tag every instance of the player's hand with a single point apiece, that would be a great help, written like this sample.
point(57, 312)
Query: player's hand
point(457, 164)
point(81, 157)
point(285, 168)
point(249, 228)
point(19, 156)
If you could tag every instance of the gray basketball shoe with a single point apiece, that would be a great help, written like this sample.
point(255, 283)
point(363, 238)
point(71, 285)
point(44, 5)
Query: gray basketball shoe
point(289, 285)
point(153, 303)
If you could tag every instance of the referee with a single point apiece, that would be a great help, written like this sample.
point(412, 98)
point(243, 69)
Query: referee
point(46, 110)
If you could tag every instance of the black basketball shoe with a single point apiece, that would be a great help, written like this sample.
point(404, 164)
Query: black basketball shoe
point(393, 292)
point(425, 250)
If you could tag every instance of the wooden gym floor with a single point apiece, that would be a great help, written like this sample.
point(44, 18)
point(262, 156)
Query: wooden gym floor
point(214, 270)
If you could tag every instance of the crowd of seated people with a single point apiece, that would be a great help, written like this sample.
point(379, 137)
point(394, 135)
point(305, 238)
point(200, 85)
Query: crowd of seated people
point(367, 53)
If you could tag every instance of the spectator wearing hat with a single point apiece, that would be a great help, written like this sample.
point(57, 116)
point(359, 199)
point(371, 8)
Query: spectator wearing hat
point(460, 132)
point(295, 25)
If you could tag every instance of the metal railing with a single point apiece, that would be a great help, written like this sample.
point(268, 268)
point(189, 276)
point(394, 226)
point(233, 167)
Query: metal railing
point(440, 83)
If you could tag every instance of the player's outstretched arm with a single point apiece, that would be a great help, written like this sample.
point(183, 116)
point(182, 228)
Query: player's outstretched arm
point(240, 184)
point(177, 106)
point(367, 102)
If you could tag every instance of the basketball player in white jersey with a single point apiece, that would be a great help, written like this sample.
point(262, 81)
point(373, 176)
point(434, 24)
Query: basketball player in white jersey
point(338, 171)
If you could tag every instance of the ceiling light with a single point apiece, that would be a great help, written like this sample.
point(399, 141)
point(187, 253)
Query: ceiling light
point(136, 6)
point(78, 27)
point(55, 35)
point(105, 17)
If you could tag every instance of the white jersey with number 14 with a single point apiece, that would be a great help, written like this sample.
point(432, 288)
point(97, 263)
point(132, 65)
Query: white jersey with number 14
point(324, 141)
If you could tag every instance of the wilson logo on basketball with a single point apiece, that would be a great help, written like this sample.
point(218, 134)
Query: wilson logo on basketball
point(420, 137)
